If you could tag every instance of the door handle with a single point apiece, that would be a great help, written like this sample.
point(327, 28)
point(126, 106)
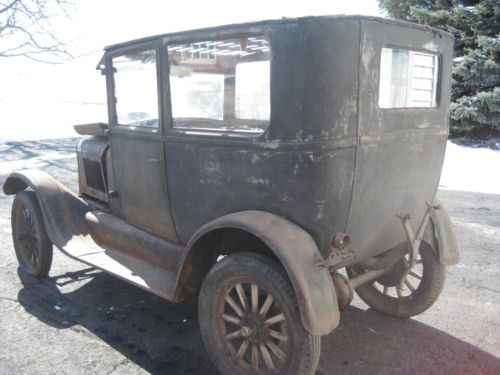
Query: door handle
point(156, 160)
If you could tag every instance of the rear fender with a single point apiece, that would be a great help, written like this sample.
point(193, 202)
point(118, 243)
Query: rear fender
point(297, 252)
point(445, 238)
point(63, 212)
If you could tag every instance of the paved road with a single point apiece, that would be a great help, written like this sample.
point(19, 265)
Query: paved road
point(81, 321)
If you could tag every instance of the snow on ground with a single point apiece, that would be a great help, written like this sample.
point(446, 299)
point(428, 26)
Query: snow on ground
point(471, 169)
point(45, 119)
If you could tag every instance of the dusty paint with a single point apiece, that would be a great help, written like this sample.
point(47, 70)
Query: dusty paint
point(258, 181)
point(338, 161)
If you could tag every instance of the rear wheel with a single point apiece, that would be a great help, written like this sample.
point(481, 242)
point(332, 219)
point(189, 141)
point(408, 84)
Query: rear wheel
point(420, 290)
point(31, 243)
point(250, 322)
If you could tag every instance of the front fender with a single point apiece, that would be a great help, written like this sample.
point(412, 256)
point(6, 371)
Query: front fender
point(297, 252)
point(63, 212)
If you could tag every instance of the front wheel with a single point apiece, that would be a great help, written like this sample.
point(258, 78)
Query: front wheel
point(250, 322)
point(31, 243)
point(420, 290)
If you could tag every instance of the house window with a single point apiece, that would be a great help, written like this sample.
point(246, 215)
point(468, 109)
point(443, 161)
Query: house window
point(408, 79)
point(221, 85)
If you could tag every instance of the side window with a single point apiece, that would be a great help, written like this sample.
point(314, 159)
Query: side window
point(252, 95)
point(408, 79)
point(136, 89)
point(221, 85)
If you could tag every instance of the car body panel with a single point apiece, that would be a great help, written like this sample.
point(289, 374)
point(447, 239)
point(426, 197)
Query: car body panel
point(331, 161)
point(296, 251)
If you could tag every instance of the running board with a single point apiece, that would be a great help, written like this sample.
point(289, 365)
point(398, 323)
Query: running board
point(154, 279)
point(100, 239)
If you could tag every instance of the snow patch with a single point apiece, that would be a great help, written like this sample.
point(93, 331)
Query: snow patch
point(471, 169)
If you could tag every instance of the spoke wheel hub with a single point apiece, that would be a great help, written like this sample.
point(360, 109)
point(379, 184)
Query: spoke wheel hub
point(254, 328)
point(393, 277)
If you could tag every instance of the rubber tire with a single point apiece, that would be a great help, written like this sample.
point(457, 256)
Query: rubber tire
point(423, 298)
point(45, 248)
point(271, 275)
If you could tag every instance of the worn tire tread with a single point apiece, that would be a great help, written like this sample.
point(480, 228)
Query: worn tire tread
point(29, 198)
point(271, 269)
point(420, 303)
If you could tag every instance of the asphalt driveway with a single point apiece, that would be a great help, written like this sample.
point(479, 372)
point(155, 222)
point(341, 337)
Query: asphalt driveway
point(81, 321)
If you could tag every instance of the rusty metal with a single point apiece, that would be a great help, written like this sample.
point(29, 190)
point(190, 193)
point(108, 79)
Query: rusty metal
point(63, 212)
point(97, 129)
point(396, 290)
point(339, 256)
point(335, 260)
point(92, 173)
point(414, 239)
point(444, 234)
point(340, 241)
point(343, 289)
point(110, 232)
point(366, 277)
point(295, 250)
point(160, 204)
point(128, 253)
point(384, 260)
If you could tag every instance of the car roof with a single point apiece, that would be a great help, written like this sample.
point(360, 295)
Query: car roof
point(281, 21)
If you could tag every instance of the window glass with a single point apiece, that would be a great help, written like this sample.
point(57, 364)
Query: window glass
point(252, 91)
point(221, 84)
point(198, 95)
point(136, 89)
point(408, 79)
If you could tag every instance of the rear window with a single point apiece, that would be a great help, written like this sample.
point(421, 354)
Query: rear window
point(408, 79)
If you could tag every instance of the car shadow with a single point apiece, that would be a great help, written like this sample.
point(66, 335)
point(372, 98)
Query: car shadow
point(54, 156)
point(163, 338)
point(20, 150)
point(160, 337)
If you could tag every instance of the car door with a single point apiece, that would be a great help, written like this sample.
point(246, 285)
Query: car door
point(136, 140)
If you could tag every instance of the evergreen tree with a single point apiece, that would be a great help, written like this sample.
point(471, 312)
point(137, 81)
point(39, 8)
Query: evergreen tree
point(475, 108)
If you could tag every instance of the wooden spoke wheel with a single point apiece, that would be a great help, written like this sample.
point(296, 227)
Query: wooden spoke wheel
point(250, 321)
point(420, 288)
point(32, 245)
point(255, 332)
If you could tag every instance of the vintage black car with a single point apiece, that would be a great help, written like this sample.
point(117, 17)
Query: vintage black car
point(270, 169)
